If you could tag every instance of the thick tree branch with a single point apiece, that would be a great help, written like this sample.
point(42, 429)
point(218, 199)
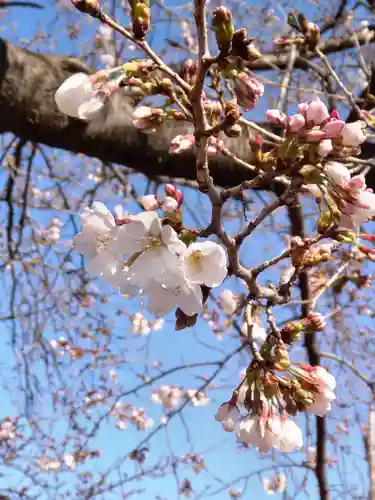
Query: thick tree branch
point(28, 81)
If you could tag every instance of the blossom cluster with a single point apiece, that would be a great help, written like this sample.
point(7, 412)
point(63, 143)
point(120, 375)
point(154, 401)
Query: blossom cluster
point(171, 396)
point(143, 254)
point(127, 413)
point(270, 399)
point(315, 125)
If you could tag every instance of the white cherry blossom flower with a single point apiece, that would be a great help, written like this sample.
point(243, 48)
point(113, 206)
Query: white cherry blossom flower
point(157, 247)
point(228, 415)
point(290, 437)
point(227, 301)
point(140, 325)
point(48, 464)
point(197, 398)
point(77, 98)
point(169, 396)
point(261, 432)
point(205, 263)
point(149, 202)
point(98, 239)
point(275, 484)
point(163, 298)
point(326, 384)
point(70, 461)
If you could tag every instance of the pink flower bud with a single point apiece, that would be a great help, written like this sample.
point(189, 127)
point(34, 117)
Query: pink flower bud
point(296, 123)
point(214, 145)
point(335, 114)
point(314, 135)
point(277, 117)
point(145, 118)
point(181, 143)
point(173, 192)
point(353, 134)
point(358, 182)
point(337, 172)
point(302, 108)
point(317, 112)
point(324, 147)
point(149, 202)
point(333, 128)
point(169, 204)
point(247, 90)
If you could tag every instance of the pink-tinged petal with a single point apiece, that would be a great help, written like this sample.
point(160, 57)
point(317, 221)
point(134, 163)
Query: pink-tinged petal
point(276, 117)
point(317, 112)
point(353, 134)
point(337, 172)
point(324, 148)
point(314, 135)
point(333, 128)
point(296, 123)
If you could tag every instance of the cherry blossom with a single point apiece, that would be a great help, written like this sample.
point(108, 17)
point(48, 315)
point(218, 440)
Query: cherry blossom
point(228, 415)
point(290, 437)
point(247, 90)
point(353, 134)
point(83, 96)
point(140, 325)
point(157, 247)
point(98, 240)
point(227, 301)
point(181, 143)
point(262, 433)
point(324, 147)
point(48, 464)
point(169, 396)
point(296, 122)
point(146, 118)
point(337, 172)
point(163, 298)
point(316, 112)
point(197, 398)
point(149, 202)
point(169, 204)
point(205, 263)
point(275, 484)
point(276, 117)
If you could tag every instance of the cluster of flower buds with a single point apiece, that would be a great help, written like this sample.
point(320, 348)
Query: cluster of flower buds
point(182, 143)
point(303, 255)
point(189, 71)
point(349, 200)
point(49, 235)
point(127, 413)
point(140, 14)
point(314, 125)
point(170, 203)
point(64, 346)
point(196, 461)
point(148, 119)
point(310, 33)
point(247, 90)
point(231, 42)
point(291, 331)
point(168, 395)
point(271, 398)
point(223, 27)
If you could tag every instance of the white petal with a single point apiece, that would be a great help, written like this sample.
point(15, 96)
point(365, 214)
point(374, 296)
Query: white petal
point(90, 107)
point(72, 93)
